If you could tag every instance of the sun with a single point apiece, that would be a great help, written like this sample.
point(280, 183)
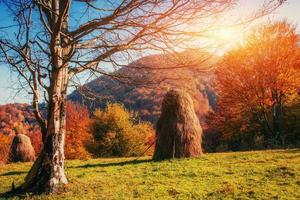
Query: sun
point(226, 38)
point(221, 39)
point(227, 34)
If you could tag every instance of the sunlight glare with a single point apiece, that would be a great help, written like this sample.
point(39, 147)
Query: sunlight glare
point(227, 38)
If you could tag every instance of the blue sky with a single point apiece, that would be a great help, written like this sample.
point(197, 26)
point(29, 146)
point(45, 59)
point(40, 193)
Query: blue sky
point(8, 80)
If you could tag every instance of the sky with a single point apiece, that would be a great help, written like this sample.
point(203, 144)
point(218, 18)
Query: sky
point(9, 82)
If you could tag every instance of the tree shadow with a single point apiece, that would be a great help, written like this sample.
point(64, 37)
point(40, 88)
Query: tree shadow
point(13, 195)
point(14, 192)
point(292, 150)
point(129, 162)
point(12, 173)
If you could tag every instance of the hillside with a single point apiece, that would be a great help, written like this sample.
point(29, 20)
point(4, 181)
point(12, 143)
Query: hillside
point(141, 85)
point(246, 175)
point(18, 118)
point(13, 115)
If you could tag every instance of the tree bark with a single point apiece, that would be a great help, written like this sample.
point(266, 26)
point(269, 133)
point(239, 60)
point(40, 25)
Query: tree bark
point(47, 173)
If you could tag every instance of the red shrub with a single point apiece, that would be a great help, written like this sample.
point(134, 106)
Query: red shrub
point(78, 134)
point(5, 142)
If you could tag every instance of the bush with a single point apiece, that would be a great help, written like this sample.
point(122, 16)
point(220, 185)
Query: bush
point(117, 132)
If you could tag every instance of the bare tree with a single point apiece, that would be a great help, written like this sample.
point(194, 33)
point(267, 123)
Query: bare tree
point(50, 44)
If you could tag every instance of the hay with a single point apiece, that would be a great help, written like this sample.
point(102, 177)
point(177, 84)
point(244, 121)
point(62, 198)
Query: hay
point(21, 149)
point(178, 131)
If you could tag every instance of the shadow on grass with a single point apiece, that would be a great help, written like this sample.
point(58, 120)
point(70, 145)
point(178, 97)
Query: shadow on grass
point(11, 195)
point(129, 162)
point(14, 193)
point(292, 150)
point(13, 173)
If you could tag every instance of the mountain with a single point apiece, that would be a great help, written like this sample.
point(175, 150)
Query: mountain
point(141, 85)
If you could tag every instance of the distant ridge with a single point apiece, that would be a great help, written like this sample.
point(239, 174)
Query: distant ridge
point(147, 80)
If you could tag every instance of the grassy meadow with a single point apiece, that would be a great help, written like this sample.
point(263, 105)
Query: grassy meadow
point(273, 174)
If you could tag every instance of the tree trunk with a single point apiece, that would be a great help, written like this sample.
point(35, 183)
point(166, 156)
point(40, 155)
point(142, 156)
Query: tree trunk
point(277, 123)
point(47, 173)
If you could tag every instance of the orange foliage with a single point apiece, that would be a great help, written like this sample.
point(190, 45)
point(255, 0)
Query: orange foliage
point(78, 135)
point(19, 118)
point(36, 138)
point(256, 82)
point(5, 142)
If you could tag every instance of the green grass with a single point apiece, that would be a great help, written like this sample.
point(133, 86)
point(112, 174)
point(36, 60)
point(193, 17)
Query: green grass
point(246, 175)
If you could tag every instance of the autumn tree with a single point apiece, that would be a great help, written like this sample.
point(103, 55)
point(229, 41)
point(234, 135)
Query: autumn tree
point(77, 134)
point(117, 132)
point(256, 83)
point(5, 142)
point(52, 41)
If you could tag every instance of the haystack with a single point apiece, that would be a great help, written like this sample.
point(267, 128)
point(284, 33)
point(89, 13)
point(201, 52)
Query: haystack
point(178, 130)
point(21, 149)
